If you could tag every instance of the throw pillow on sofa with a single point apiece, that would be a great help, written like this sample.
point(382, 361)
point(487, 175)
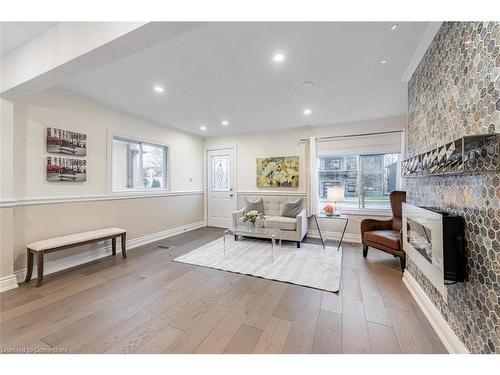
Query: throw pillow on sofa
point(292, 209)
point(254, 205)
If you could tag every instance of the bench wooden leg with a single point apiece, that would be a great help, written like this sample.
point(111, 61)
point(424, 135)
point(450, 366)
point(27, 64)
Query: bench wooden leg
point(113, 246)
point(29, 268)
point(39, 265)
point(124, 240)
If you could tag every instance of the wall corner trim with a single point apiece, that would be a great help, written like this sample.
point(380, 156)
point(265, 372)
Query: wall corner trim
point(424, 44)
point(8, 283)
point(91, 255)
point(449, 339)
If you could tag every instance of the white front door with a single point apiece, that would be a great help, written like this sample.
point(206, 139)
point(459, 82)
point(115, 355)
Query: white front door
point(221, 201)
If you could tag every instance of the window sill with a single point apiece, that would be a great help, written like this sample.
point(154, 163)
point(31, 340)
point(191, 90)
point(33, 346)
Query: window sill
point(367, 211)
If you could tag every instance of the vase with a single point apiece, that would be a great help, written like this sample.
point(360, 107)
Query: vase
point(329, 213)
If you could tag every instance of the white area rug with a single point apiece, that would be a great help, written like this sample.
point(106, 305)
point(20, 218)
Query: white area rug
point(308, 266)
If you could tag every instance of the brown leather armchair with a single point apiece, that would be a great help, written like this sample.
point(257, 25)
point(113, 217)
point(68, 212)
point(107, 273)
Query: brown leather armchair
point(386, 235)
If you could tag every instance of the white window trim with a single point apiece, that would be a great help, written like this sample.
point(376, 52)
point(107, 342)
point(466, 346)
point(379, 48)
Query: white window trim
point(154, 191)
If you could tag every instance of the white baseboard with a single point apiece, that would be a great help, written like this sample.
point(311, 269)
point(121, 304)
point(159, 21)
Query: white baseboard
point(449, 339)
point(348, 237)
point(8, 283)
point(91, 255)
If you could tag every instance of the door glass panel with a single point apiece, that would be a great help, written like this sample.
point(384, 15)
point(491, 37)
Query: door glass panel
point(220, 173)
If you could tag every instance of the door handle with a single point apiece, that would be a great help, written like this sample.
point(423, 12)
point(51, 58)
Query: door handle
point(231, 195)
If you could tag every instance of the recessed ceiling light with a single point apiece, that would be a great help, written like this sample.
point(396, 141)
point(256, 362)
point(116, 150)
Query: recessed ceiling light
point(203, 127)
point(384, 61)
point(394, 27)
point(278, 57)
point(225, 122)
point(307, 84)
point(307, 111)
point(158, 89)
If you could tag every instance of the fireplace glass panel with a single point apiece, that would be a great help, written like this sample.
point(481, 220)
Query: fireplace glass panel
point(420, 237)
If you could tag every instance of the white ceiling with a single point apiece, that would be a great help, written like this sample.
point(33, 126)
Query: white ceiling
point(15, 34)
point(224, 71)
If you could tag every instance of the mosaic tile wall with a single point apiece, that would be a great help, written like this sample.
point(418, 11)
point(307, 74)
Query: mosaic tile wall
point(455, 92)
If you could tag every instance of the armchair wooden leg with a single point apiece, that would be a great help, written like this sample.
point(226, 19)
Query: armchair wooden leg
point(402, 260)
point(365, 250)
point(29, 269)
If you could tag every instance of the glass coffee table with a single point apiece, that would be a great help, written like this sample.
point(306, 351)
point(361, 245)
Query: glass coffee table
point(239, 231)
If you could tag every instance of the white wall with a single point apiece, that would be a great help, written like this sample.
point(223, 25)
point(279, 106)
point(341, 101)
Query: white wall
point(51, 209)
point(285, 143)
point(6, 194)
point(6, 150)
point(71, 112)
point(44, 210)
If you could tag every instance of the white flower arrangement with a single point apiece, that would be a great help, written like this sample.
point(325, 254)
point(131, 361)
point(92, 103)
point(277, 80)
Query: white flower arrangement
point(252, 217)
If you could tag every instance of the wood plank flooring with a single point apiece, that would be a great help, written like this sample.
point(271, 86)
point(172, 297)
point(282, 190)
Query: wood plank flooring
point(150, 304)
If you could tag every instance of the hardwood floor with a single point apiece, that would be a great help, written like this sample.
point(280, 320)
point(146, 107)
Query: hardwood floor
point(149, 304)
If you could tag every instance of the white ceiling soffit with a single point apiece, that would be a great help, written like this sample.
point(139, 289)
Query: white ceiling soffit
point(77, 47)
point(16, 34)
point(225, 71)
point(426, 41)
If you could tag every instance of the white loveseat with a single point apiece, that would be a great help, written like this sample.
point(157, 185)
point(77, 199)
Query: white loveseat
point(292, 229)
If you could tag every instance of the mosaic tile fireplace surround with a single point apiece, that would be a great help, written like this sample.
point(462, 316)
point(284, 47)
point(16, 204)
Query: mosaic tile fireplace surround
point(453, 93)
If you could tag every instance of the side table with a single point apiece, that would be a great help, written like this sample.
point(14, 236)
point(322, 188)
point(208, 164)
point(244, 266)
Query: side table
point(333, 217)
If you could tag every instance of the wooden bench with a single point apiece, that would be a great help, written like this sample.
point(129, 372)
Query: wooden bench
point(40, 248)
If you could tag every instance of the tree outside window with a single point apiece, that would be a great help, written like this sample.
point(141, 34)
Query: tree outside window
point(367, 179)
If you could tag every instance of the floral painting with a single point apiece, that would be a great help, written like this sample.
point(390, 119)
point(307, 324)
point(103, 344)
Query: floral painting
point(282, 171)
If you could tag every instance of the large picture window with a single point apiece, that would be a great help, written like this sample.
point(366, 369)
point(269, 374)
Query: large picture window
point(138, 165)
point(367, 180)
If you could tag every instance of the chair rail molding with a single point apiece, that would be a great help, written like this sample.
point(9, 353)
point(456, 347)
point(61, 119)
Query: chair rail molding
point(273, 193)
point(92, 198)
point(449, 339)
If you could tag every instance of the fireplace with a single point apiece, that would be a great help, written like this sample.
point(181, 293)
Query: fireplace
point(434, 240)
point(420, 238)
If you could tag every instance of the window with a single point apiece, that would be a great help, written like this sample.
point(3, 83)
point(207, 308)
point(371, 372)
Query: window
point(367, 179)
point(138, 166)
point(219, 174)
